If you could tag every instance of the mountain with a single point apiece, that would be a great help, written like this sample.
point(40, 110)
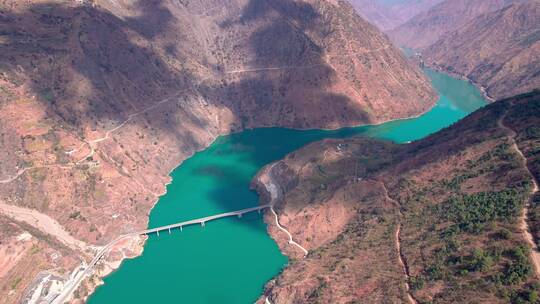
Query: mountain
point(387, 15)
point(499, 50)
point(427, 27)
point(445, 219)
point(100, 100)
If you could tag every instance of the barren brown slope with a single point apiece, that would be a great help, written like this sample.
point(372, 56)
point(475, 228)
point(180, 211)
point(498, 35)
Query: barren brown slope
point(499, 50)
point(99, 100)
point(439, 220)
point(426, 28)
point(389, 16)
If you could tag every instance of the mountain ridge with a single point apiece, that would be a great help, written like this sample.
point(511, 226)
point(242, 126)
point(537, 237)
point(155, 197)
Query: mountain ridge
point(426, 28)
point(101, 99)
point(443, 219)
point(498, 50)
point(387, 16)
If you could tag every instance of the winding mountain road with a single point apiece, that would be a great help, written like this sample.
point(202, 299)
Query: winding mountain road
point(524, 225)
point(271, 187)
point(401, 257)
point(77, 279)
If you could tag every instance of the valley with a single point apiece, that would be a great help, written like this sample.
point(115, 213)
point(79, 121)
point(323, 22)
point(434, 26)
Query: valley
point(387, 15)
point(227, 254)
point(100, 100)
point(498, 50)
point(492, 43)
point(269, 151)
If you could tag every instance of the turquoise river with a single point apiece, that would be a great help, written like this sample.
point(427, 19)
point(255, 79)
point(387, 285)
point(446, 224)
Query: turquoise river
point(231, 259)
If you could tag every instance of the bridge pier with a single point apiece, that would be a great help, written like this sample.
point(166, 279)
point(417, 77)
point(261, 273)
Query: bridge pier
point(202, 220)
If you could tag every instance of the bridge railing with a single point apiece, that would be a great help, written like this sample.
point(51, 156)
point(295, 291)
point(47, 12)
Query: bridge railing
point(203, 220)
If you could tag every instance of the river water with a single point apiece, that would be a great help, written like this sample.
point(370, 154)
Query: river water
point(231, 259)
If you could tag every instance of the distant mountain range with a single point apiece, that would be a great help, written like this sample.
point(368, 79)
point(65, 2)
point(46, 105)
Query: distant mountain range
point(494, 43)
point(101, 99)
point(387, 15)
point(500, 50)
point(427, 27)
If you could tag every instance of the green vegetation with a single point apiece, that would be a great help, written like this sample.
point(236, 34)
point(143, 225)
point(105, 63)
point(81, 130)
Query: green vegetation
point(48, 95)
point(471, 213)
point(35, 249)
point(518, 268)
point(74, 215)
point(15, 283)
point(38, 174)
point(475, 249)
point(527, 296)
point(479, 260)
point(532, 132)
point(416, 283)
point(499, 158)
point(317, 292)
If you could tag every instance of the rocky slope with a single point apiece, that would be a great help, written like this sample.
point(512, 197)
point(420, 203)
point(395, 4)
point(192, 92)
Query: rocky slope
point(426, 28)
point(389, 15)
point(499, 50)
point(440, 220)
point(99, 100)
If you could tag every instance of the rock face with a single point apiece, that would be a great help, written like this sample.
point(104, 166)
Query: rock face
point(500, 50)
point(426, 28)
point(439, 220)
point(99, 100)
point(387, 16)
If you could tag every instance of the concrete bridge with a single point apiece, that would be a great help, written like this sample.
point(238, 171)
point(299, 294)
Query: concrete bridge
point(200, 221)
point(77, 278)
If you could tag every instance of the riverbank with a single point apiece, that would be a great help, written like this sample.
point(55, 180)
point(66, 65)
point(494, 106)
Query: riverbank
point(454, 74)
point(112, 265)
point(402, 198)
point(216, 180)
point(119, 253)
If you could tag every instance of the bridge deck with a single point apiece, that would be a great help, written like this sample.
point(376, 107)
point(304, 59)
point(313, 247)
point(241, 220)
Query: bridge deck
point(203, 220)
point(72, 284)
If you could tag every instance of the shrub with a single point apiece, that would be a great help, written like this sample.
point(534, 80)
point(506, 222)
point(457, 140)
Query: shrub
point(470, 212)
point(416, 283)
point(504, 234)
point(479, 261)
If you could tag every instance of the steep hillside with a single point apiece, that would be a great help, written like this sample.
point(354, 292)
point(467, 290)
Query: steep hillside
point(440, 220)
point(99, 100)
point(499, 50)
point(426, 28)
point(388, 15)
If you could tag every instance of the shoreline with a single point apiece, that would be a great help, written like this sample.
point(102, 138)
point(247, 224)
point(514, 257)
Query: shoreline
point(460, 76)
point(109, 264)
point(118, 263)
point(438, 68)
